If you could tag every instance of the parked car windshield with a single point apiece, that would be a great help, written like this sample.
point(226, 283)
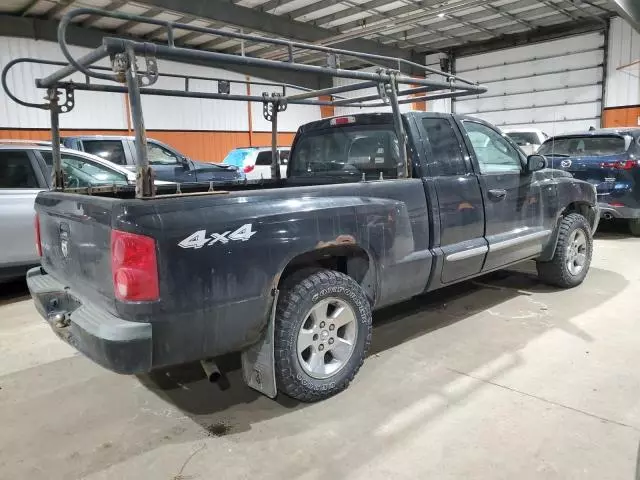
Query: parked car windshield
point(81, 172)
point(347, 151)
point(237, 157)
point(524, 138)
point(587, 145)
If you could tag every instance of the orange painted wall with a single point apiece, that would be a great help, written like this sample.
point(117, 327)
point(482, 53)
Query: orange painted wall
point(204, 146)
point(621, 116)
point(326, 110)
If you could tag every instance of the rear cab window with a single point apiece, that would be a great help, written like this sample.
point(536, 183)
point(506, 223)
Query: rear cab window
point(111, 150)
point(348, 152)
point(594, 145)
point(16, 170)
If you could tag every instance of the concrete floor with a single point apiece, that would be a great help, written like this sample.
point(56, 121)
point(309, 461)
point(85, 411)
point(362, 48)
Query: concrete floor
point(500, 378)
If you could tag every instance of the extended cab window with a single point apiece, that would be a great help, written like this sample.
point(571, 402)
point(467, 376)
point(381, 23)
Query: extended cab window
point(111, 150)
point(494, 153)
point(161, 156)
point(447, 157)
point(16, 170)
point(348, 152)
point(80, 172)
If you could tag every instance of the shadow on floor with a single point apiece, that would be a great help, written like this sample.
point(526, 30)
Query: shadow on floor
point(612, 229)
point(238, 407)
point(14, 291)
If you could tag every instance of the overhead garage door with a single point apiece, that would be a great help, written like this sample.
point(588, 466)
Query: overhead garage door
point(555, 86)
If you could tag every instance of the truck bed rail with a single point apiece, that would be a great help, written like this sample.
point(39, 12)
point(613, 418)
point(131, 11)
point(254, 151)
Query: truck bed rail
point(387, 76)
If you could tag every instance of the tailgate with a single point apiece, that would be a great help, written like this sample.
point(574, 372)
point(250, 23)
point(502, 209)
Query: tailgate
point(606, 173)
point(75, 232)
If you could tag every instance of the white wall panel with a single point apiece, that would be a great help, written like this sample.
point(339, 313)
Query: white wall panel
point(94, 110)
point(623, 87)
point(442, 105)
point(290, 119)
point(338, 82)
point(552, 84)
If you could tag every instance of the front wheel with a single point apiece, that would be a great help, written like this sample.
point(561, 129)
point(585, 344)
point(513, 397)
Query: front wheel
point(572, 258)
point(634, 227)
point(322, 334)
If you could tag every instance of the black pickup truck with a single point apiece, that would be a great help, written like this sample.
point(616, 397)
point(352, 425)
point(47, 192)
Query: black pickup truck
point(139, 284)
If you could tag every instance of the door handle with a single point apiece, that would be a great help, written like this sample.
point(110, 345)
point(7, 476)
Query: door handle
point(498, 193)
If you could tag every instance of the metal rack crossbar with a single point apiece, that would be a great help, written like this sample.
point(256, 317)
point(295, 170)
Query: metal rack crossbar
point(135, 81)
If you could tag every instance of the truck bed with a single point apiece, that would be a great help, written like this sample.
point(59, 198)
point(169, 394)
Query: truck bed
point(216, 287)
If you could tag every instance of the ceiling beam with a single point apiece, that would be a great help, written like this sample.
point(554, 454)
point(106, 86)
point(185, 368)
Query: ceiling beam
point(251, 19)
point(542, 34)
point(124, 28)
point(157, 31)
point(27, 7)
point(91, 19)
point(47, 30)
point(56, 9)
point(630, 11)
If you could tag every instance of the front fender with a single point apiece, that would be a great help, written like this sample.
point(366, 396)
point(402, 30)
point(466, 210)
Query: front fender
point(571, 196)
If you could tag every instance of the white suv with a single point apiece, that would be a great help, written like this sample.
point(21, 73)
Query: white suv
point(255, 162)
point(528, 139)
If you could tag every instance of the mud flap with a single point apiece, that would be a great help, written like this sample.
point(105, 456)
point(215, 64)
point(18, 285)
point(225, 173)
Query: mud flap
point(258, 368)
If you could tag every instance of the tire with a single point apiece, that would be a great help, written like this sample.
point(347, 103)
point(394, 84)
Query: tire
point(560, 271)
point(634, 227)
point(307, 299)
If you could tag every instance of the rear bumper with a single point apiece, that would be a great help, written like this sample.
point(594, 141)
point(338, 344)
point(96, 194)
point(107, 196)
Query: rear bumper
point(116, 344)
point(609, 212)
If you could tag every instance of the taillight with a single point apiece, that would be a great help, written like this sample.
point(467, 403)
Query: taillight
point(617, 204)
point(36, 223)
point(621, 165)
point(248, 168)
point(134, 267)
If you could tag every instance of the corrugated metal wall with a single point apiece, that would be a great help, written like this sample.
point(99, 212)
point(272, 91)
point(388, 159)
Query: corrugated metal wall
point(623, 86)
point(338, 82)
point(555, 86)
point(202, 129)
point(442, 105)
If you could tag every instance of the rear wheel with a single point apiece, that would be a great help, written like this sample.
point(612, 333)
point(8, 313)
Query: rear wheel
point(634, 227)
point(323, 331)
point(572, 258)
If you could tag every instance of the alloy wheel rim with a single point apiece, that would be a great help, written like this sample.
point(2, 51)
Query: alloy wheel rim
point(327, 338)
point(576, 257)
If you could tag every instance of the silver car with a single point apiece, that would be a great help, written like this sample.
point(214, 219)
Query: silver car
point(25, 169)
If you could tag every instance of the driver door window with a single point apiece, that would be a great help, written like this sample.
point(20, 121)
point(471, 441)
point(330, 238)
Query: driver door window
point(493, 152)
point(161, 156)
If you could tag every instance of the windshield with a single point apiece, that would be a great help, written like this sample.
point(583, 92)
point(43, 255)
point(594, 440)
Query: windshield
point(236, 157)
point(82, 172)
point(524, 138)
point(588, 145)
point(347, 151)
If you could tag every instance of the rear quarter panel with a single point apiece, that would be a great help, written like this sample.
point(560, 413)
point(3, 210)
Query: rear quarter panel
point(216, 298)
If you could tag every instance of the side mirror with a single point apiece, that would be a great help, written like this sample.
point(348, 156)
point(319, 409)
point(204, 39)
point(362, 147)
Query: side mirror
point(184, 161)
point(536, 162)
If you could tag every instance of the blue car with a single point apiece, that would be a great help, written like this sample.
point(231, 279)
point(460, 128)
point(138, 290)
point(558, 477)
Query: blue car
point(610, 160)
